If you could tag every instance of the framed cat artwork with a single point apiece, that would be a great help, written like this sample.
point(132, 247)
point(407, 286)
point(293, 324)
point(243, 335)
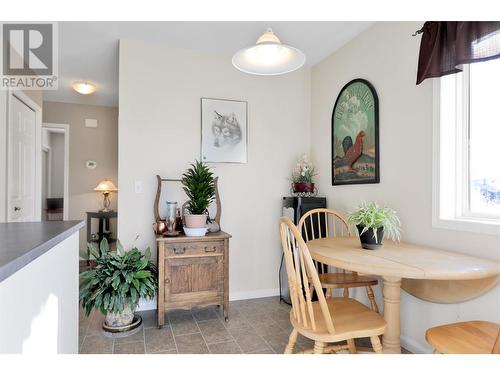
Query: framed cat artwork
point(224, 131)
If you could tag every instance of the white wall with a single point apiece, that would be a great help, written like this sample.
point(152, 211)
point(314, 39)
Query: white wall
point(57, 168)
point(386, 55)
point(159, 133)
point(99, 144)
point(42, 317)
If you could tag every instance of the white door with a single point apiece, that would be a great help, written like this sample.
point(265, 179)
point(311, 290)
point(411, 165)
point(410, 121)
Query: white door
point(21, 162)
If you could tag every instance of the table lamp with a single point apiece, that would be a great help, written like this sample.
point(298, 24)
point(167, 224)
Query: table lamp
point(105, 187)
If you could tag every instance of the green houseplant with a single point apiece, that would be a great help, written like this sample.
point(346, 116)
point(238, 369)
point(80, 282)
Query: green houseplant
point(199, 184)
point(117, 283)
point(373, 222)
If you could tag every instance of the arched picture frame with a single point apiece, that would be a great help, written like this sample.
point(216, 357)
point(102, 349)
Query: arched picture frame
point(355, 136)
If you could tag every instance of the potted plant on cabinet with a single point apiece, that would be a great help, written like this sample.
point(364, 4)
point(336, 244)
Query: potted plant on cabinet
point(199, 186)
point(302, 176)
point(117, 283)
point(373, 223)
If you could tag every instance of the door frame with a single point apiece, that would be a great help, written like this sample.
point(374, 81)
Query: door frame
point(65, 127)
point(23, 97)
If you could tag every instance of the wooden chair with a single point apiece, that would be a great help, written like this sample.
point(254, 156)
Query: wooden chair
point(473, 337)
point(334, 225)
point(327, 320)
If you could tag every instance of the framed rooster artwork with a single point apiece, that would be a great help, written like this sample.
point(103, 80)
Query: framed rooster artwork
point(355, 142)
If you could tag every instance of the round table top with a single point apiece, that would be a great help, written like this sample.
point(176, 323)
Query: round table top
point(401, 259)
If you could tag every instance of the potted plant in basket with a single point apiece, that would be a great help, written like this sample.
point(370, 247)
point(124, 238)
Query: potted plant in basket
point(199, 185)
point(117, 283)
point(302, 176)
point(375, 222)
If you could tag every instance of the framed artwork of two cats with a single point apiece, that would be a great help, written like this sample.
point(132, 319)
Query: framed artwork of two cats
point(224, 132)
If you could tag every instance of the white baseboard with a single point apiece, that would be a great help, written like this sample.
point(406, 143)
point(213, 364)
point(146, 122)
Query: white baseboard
point(414, 346)
point(236, 296)
point(147, 304)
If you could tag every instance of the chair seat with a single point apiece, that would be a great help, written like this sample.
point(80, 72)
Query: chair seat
point(345, 280)
point(473, 337)
point(351, 319)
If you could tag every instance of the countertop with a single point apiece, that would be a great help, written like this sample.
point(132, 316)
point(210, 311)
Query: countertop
point(22, 243)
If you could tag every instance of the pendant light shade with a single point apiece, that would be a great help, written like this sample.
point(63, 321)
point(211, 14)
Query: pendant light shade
point(268, 57)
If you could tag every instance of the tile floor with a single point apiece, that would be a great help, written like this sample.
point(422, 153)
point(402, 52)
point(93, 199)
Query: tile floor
point(259, 326)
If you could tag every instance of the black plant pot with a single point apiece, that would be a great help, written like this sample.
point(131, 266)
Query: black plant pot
point(367, 239)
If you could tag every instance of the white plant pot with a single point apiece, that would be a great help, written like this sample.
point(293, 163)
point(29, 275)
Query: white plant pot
point(120, 319)
point(195, 221)
point(195, 232)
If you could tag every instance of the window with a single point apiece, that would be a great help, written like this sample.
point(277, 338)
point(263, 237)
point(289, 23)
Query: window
point(467, 149)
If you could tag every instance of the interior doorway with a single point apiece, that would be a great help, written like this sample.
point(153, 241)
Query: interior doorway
point(55, 171)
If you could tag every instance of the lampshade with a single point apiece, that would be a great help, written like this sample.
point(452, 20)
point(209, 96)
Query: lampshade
point(105, 186)
point(268, 57)
point(83, 87)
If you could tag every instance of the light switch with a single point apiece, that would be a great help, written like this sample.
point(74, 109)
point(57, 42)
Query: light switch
point(138, 187)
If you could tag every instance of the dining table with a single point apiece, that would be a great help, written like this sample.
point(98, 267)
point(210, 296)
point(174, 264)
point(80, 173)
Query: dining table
point(426, 272)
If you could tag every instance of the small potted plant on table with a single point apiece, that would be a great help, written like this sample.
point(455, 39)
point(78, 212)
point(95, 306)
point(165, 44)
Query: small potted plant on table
point(199, 185)
point(373, 223)
point(302, 176)
point(117, 282)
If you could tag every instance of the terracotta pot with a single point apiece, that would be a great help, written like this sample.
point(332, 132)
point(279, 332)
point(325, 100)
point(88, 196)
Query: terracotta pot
point(367, 239)
point(120, 319)
point(303, 187)
point(195, 221)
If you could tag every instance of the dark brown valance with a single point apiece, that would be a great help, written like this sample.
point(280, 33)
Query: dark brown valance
point(445, 46)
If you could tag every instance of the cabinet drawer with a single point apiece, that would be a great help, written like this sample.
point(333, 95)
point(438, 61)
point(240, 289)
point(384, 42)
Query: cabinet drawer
point(194, 248)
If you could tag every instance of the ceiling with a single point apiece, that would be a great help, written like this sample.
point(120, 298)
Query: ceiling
point(89, 50)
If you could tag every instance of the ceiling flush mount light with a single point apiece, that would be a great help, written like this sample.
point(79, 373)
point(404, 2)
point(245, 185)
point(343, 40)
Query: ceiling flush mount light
point(268, 57)
point(83, 87)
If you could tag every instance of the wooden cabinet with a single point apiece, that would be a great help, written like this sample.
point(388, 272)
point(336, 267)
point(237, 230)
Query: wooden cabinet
point(193, 272)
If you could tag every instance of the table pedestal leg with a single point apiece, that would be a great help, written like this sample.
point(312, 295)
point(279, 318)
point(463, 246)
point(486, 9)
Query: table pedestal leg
point(392, 297)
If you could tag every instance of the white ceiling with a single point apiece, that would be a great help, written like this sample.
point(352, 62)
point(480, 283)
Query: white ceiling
point(89, 50)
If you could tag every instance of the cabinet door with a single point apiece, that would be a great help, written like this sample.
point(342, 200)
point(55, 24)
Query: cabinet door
point(191, 281)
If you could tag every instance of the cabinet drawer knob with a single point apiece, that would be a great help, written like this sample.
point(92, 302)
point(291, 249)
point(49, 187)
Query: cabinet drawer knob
point(167, 281)
point(210, 250)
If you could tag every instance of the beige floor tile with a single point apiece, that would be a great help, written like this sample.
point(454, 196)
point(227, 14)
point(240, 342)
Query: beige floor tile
point(97, 344)
point(268, 328)
point(259, 326)
point(95, 326)
point(149, 318)
point(228, 347)
point(262, 351)
point(206, 313)
point(249, 340)
point(184, 326)
point(213, 331)
point(138, 336)
point(172, 351)
point(129, 348)
point(158, 340)
point(278, 343)
point(191, 344)
point(174, 315)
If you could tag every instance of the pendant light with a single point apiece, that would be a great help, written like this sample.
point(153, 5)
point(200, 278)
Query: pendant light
point(268, 57)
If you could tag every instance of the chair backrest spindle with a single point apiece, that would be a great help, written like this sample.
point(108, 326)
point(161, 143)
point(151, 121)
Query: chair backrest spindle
point(302, 278)
point(496, 347)
point(307, 224)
